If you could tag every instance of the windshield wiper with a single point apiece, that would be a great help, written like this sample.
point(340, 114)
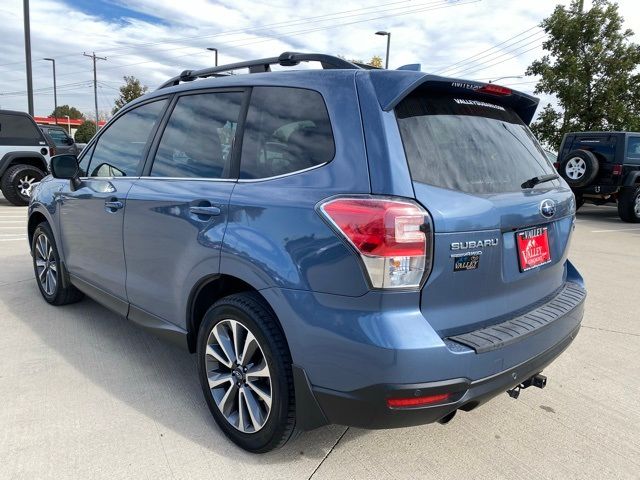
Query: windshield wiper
point(532, 182)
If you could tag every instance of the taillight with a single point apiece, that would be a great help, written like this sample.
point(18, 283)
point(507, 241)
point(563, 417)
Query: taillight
point(617, 169)
point(417, 401)
point(494, 89)
point(52, 151)
point(393, 237)
point(556, 165)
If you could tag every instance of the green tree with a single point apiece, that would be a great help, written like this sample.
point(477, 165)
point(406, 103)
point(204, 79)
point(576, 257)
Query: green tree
point(131, 90)
point(591, 67)
point(63, 110)
point(86, 130)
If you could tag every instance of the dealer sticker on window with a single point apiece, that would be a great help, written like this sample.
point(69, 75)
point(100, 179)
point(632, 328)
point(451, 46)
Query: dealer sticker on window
point(533, 248)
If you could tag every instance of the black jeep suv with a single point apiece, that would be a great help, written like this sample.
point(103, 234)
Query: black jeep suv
point(603, 167)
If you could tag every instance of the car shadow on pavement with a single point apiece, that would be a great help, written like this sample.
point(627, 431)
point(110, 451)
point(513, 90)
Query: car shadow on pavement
point(155, 378)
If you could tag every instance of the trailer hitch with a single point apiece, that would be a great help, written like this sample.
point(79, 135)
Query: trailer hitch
point(538, 381)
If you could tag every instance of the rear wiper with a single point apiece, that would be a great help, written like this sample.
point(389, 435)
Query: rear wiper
point(532, 182)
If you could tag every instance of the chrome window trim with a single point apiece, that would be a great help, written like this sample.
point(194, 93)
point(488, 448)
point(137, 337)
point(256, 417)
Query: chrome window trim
point(253, 180)
point(195, 179)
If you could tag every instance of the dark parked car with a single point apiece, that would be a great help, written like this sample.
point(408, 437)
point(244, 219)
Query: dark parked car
point(363, 247)
point(63, 141)
point(603, 167)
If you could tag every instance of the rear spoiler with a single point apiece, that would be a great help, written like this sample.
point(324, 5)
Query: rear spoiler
point(393, 86)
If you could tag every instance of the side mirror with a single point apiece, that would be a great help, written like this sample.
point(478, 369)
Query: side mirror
point(70, 141)
point(66, 167)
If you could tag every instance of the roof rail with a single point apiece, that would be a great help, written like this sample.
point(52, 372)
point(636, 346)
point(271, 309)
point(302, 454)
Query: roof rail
point(286, 59)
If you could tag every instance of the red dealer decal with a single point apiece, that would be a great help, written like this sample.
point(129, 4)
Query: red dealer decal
point(533, 248)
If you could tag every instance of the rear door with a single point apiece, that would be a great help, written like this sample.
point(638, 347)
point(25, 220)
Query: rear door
point(177, 211)
point(499, 246)
point(91, 217)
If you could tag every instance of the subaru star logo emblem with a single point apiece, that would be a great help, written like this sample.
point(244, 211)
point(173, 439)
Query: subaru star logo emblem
point(548, 208)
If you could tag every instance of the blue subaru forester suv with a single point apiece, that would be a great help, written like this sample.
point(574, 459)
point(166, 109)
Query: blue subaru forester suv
point(362, 247)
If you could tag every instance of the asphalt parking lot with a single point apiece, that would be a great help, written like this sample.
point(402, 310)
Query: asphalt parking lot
point(84, 394)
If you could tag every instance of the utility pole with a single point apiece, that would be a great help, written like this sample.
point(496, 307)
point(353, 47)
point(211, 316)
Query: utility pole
point(27, 54)
point(55, 93)
point(95, 81)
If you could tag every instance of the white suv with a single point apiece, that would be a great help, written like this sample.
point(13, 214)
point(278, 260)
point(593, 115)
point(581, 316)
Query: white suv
point(24, 156)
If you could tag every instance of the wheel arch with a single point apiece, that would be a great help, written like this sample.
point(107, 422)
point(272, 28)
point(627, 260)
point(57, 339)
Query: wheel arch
point(34, 159)
point(35, 219)
point(209, 290)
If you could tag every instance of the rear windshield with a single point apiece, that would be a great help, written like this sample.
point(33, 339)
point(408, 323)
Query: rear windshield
point(19, 130)
point(467, 144)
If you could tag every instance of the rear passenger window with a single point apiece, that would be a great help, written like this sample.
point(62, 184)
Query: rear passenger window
point(121, 147)
point(198, 139)
point(287, 130)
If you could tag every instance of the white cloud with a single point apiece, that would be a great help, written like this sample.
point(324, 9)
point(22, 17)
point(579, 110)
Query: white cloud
point(154, 51)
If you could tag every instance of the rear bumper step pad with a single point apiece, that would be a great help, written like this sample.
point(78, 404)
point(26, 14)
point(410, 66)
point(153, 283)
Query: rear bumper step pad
point(502, 334)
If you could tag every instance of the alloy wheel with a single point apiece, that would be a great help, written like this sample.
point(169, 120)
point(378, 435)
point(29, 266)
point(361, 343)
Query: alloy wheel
point(238, 375)
point(46, 267)
point(575, 168)
point(26, 184)
point(636, 207)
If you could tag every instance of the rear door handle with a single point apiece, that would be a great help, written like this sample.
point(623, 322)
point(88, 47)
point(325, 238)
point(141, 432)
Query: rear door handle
point(114, 205)
point(206, 211)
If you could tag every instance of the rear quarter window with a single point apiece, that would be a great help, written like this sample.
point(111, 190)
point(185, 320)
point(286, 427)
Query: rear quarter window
point(633, 151)
point(287, 130)
point(19, 130)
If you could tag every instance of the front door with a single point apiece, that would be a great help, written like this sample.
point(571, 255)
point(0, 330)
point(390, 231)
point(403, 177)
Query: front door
point(177, 212)
point(91, 216)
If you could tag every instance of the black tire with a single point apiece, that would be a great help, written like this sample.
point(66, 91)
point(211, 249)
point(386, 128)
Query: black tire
point(63, 293)
point(12, 183)
point(629, 204)
point(250, 310)
point(579, 168)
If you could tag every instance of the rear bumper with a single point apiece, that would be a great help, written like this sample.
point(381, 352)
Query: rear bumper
point(366, 408)
point(520, 358)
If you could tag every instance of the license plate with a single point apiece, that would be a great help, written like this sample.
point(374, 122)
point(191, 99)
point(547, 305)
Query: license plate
point(533, 248)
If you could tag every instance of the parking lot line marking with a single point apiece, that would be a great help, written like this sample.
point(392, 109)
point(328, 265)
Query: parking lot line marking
point(17, 239)
point(13, 221)
point(7, 228)
point(616, 230)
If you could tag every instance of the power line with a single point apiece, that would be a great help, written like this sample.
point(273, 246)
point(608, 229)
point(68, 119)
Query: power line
point(464, 60)
point(303, 20)
point(290, 34)
point(489, 57)
point(489, 60)
point(506, 60)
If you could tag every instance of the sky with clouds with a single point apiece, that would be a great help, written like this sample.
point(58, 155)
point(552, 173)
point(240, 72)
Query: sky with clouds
point(156, 39)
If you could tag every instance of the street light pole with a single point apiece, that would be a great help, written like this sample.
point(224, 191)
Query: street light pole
point(27, 54)
point(215, 50)
point(388, 35)
point(55, 92)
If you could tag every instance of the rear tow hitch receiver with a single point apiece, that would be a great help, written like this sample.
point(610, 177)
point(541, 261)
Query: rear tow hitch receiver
point(538, 381)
